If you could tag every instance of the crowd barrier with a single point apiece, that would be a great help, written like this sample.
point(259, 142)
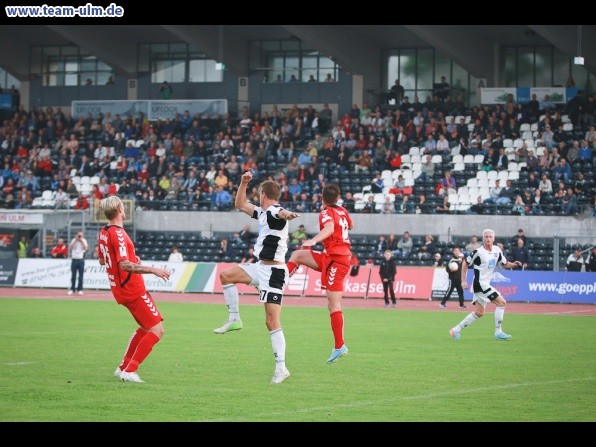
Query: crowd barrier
point(421, 283)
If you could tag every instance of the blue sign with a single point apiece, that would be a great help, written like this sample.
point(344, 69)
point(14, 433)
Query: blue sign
point(543, 287)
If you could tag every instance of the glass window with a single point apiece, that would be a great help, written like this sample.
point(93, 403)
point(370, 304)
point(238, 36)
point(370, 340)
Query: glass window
point(392, 71)
point(211, 74)
point(309, 67)
point(510, 78)
point(425, 76)
point(459, 82)
point(543, 67)
point(71, 74)
point(168, 70)
point(65, 66)
point(292, 68)
point(407, 71)
point(560, 69)
point(290, 45)
point(580, 75)
point(280, 59)
point(442, 68)
point(525, 67)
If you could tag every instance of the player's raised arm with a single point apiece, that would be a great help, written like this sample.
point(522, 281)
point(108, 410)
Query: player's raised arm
point(241, 202)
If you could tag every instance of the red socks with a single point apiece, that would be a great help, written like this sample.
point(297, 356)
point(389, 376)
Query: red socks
point(337, 326)
point(144, 347)
point(292, 267)
point(132, 346)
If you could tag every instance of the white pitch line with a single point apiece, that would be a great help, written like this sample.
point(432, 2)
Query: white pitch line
point(570, 312)
point(19, 363)
point(409, 398)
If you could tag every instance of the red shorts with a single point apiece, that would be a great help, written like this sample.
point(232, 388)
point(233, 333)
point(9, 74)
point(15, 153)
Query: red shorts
point(333, 268)
point(144, 311)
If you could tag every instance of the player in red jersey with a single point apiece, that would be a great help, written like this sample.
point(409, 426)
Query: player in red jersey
point(333, 262)
point(117, 253)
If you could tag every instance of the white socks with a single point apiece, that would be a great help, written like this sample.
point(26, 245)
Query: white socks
point(278, 343)
point(470, 318)
point(499, 312)
point(230, 292)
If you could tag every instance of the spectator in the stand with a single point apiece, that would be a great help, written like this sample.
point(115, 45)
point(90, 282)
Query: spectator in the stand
point(165, 90)
point(585, 153)
point(575, 261)
point(405, 206)
point(562, 171)
point(502, 163)
point(427, 168)
point(404, 246)
point(591, 260)
point(444, 207)
point(364, 163)
point(521, 253)
point(224, 249)
point(223, 199)
point(494, 193)
point(175, 255)
point(369, 206)
point(478, 207)
point(377, 184)
point(299, 235)
point(396, 92)
point(518, 208)
point(507, 194)
point(82, 202)
point(245, 235)
point(447, 185)
point(546, 186)
point(472, 245)
point(428, 249)
point(569, 202)
point(381, 245)
point(36, 252)
point(23, 199)
point(60, 250)
point(249, 257)
point(422, 207)
point(520, 235)
point(388, 207)
point(547, 104)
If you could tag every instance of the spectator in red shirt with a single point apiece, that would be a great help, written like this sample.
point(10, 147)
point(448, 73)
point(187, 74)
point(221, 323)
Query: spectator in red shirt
point(60, 250)
point(82, 202)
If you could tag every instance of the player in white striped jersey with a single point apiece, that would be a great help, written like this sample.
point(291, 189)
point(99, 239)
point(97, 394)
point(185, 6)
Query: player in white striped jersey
point(269, 274)
point(484, 260)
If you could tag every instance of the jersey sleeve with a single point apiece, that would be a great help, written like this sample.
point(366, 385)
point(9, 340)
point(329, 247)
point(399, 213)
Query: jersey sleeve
point(502, 258)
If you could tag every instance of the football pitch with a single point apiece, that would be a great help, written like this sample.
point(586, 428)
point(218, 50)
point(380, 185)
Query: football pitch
point(57, 359)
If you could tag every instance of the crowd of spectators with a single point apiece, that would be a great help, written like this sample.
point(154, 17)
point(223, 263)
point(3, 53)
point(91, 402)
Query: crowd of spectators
point(194, 162)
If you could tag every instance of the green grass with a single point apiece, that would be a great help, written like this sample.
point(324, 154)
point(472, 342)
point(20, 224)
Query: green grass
point(57, 358)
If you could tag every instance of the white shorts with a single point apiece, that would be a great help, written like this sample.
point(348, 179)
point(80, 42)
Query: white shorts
point(485, 296)
point(270, 279)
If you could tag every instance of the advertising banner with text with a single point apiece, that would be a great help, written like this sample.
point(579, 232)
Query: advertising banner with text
point(531, 286)
point(410, 282)
point(153, 110)
point(169, 109)
point(116, 107)
point(8, 267)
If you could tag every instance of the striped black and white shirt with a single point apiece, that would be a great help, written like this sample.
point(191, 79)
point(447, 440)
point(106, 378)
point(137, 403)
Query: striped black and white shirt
point(272, 242)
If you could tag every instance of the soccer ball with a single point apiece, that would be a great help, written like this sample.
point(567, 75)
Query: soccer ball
point(453, 266)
